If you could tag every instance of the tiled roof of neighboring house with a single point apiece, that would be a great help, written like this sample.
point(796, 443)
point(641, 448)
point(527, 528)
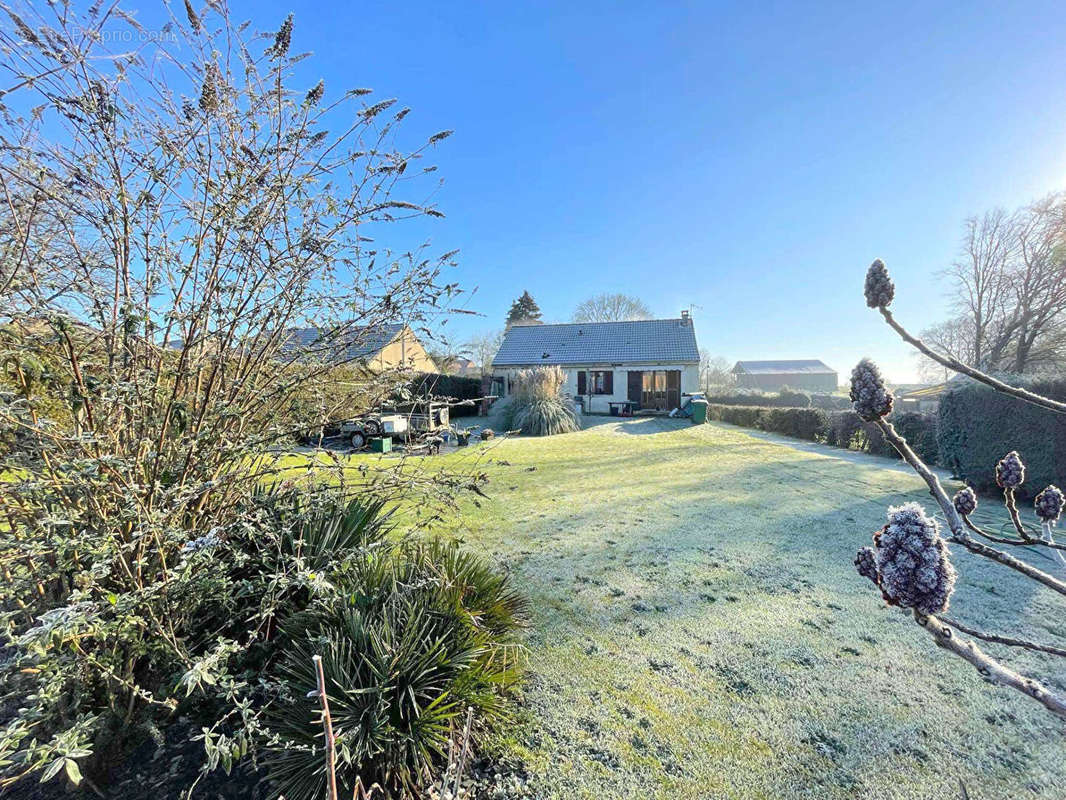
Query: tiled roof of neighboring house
point(354, 342)
point(644, 341)
point(810, 366)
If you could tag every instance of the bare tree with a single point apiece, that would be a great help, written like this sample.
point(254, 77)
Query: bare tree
point(714, 371)
point(1010, 290)
point(482, 348)
point(611, 308)
point(953, 336)
point(1039, 281)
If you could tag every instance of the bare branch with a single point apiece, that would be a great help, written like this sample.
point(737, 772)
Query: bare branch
point(989, 668)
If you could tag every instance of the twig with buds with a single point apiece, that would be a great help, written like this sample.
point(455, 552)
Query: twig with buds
point(909, 561)
point(880, 291)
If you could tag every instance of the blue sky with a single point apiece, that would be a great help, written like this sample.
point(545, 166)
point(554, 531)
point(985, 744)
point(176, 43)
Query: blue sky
point(749, 162)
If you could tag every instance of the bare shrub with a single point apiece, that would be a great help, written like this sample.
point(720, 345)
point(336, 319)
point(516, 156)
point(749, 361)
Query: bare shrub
point(171, 209)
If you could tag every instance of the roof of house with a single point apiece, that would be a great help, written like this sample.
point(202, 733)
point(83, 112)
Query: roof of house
point(809, 366)
point(644, 341)
point(351, 343)
point(924, 392)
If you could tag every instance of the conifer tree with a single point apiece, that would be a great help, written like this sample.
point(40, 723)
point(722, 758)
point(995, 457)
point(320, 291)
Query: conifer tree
point(524, 311)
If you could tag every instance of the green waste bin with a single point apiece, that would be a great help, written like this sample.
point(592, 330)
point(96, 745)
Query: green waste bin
point(382, 445)
point(699, 411)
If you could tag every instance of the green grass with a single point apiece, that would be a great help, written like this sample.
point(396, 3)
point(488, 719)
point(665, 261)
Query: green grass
point(699, 630)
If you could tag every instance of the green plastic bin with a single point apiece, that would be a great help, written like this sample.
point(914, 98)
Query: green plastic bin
point(699, 411)
point(381, 445)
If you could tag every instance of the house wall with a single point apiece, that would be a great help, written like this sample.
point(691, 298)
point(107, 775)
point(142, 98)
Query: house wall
point(690, 380)
point(404, 350)
point(774, 381)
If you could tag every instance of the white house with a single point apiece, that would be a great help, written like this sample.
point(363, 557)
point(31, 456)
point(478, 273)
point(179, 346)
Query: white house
point(648, 364)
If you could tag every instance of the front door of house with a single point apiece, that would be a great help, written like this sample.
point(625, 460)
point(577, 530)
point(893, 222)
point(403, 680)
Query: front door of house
point(660, 389)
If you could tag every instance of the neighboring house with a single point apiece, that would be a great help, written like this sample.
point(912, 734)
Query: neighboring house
point(377, 347)
point(648, 362)
point(810, 375)
point(924, 400)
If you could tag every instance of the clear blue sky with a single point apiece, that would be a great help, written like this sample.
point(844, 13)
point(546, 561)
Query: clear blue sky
point(748, 162)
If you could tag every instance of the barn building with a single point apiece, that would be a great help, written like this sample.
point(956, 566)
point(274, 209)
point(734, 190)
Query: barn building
point(810, 375)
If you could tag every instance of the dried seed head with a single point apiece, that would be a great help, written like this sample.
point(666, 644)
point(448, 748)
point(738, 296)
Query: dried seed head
point(282, 39)
point(315, 94)
point(868, 393)
point(866, 563)
point(209, 90)
point(1010, 471)
point(965, 501)
point(194, 19)
point(879, 287)
point(912, 561)
point(1049, 504)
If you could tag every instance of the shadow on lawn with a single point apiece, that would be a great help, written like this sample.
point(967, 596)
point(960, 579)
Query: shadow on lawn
point(771, 615)
point(641, 426)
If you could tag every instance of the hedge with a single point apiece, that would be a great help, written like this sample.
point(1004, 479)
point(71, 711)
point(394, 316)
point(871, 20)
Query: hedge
point(786, 398)
point(802, 423)
point(456, 387)
point(838, 428)
point(978, 426)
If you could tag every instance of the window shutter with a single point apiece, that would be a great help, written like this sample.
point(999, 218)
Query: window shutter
point(581, 382)
point(608, 382)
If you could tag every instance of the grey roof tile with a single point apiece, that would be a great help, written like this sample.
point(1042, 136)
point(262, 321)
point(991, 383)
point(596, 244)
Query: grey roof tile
point(642, 341)
point(351, 343)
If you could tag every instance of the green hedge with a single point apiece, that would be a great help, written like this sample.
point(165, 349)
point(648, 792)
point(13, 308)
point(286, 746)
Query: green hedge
point(838, 428)
point(786, 398)
point(978, 426)
point(456, 387)
point(802, 423)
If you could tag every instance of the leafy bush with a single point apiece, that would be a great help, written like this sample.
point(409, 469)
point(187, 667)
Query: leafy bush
point(141, 572)
point(974, 421)
point(423, 632)
point(113, 650)
point(537, 404)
